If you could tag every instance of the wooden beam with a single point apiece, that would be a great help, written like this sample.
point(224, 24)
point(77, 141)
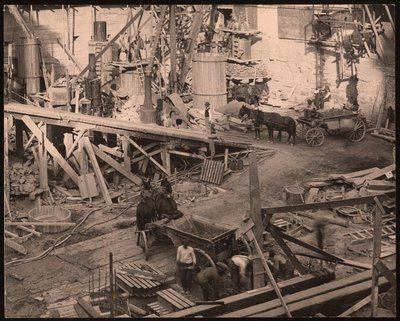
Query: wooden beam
point(389, 16)
point(78, 137)
point(330, 220)
point(148, 156)
point(255, 216)
point(172, 28)
point(82, 159)
point(114, 164)
point(256, 296)
point(87, 306)
point(100, 179)
point(226, 154)
point(15, 246)
point(297, 264)
point(376, 253)
point(20, 20)
point(70, 55)
point(26, 229)
point(51, 149)
point(126, 149)
point(43, 178)
point(109, 44)
point(154, 152)
point(178, 152)
point(355, 307)
point(111, 151)
point(40, 125)
point(378, 40)
point(253, 239)
point(39, 224)
point(383, 269)
point(319, 206)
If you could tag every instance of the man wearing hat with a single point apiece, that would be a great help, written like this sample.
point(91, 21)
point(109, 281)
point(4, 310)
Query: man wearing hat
point(208, 280)
point(207, 116)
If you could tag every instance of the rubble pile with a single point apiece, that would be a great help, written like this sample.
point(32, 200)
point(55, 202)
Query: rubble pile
point(244, 71)
point(24, 178)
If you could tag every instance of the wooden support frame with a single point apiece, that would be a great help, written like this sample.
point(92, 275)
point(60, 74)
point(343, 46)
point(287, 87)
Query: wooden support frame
point(114, 164)
point(109, 44)
point(140, 158)
point(378, 40)
point(383, 269)
point(111, 151)
point(78, 137)
point(50, 148)
point(148, 156)
point(103, 187)
point(40, 125)
point(375, 255)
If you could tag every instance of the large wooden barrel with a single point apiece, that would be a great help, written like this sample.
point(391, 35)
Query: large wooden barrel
point(51, 213)
point(130, 83)
point(28, 56)
point(209, 80)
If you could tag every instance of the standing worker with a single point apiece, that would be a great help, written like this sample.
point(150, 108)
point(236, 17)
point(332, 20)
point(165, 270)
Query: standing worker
point(207, 117)
point(282, 267)
point(186, 260)
point(208, 280)
point(257, 122)
point(240, 267)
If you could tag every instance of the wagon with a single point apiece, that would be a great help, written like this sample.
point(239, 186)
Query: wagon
point(334, 122)
point(216, 242)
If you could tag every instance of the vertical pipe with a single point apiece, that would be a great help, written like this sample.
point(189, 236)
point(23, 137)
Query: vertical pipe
point(111, 286)
point(172, 27)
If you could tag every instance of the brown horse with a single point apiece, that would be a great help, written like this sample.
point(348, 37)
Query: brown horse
point(273, 121)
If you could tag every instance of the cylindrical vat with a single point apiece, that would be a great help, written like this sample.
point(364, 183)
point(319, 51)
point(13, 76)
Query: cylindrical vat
point(130, 83)
point(209, 80)
point(27, 52)
point(100, 31)
point(52, 213)
point(294, 195)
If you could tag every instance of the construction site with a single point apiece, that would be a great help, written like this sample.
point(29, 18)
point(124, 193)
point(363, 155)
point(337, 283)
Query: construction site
point(206, 160)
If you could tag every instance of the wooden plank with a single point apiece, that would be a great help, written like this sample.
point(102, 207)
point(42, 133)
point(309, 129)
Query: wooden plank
point(382, 268)
point(78, 137)
point(88, 147)
point(111, 151)
point(193, 155)
point(304, 294)
point(177, 297)
point(319, 206)
point(80, 311)
point(389, 16)
point(168, 301)
point(374, 175)
point(354, 174)
point(257, 296)
point(126, 149)
point(375, 256)
point(148, 156)
point(51, 149)
point(88, 308)
point(355, 307)
point(269, 273)
point(186, 300)
point(144, 274)
point(11, 234)
point(117, 166)
point(15, 246)
point(313, 305)
point(24, 228)
point(87, 186)
point(39, 224)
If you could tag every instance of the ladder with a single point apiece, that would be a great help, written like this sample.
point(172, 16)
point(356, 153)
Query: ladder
point(139, 67)
point(361, 236)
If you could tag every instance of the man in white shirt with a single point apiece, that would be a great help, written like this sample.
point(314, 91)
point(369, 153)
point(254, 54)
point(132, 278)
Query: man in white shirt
point(240, 270)
point(186, 260)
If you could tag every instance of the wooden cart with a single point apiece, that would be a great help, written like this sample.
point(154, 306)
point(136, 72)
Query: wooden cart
point(334, 122)
point(215, 241)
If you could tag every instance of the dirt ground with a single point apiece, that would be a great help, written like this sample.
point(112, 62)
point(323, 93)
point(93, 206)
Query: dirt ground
point(290, 165)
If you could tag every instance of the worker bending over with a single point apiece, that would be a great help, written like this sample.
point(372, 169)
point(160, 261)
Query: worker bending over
point(208, 280)
point(282, 267)
point(240, 267)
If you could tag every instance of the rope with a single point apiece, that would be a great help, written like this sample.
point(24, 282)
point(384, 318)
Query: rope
point(122, 212)
point(56, 243)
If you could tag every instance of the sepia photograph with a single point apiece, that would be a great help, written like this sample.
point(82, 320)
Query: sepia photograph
point(199, 160)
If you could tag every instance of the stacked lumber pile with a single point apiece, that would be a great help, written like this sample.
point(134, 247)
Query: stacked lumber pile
point(24, 177)
point(386, 134)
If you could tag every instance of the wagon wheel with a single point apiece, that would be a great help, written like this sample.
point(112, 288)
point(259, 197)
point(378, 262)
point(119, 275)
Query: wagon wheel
point(301, 129)
point(315, 137)
point(359, 130)
point(144, 244)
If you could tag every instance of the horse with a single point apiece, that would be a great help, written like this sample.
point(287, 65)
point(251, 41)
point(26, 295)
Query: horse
point(273, 121)
point(165, 204)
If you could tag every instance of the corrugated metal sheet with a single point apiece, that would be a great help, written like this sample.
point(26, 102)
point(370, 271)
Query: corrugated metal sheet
point(212, 172)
